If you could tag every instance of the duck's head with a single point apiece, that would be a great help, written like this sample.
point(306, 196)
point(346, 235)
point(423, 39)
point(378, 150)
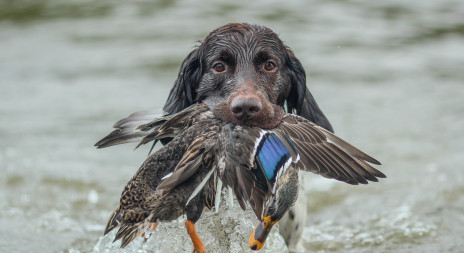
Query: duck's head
point(275, 207)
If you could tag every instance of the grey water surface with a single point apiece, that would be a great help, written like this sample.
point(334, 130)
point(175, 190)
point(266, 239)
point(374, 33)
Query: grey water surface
point(389, 75)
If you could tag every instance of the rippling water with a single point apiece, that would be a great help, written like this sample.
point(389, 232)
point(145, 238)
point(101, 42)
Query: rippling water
point(388, 74)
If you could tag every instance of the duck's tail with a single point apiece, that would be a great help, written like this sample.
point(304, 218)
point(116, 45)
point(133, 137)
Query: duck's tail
point(114, 221)
point(128, 230)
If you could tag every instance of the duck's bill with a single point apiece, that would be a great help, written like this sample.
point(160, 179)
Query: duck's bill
point(260, 233)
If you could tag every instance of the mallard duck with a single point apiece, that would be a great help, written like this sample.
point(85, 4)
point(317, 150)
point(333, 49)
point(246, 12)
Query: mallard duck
point(142, 205)
point(260, 166)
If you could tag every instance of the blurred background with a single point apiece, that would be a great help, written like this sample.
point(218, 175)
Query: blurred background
point(388, 75)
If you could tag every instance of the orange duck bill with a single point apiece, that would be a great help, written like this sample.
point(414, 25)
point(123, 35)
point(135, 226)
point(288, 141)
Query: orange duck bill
point(260, 233)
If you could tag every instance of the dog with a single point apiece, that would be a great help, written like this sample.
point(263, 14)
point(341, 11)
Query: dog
point(243, 72)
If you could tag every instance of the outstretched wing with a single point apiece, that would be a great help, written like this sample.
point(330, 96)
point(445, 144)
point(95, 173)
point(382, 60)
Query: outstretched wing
point(127, 129)
point(172, 124)
point(323, 153)
point(144, 127)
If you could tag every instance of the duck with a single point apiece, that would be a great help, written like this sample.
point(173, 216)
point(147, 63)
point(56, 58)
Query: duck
point(260, 166)
point(142, 205)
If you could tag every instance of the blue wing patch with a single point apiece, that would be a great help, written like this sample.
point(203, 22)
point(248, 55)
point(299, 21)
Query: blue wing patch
point(271, 155)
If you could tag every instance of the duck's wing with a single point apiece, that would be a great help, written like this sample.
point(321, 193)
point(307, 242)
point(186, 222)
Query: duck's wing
point(127, 129)
point(199, 153)
point(144, 127)
point(174, 123)
point(324, 153)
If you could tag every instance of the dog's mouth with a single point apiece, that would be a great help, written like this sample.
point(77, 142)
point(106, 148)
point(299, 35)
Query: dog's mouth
point(267, 117)
point(246, 106)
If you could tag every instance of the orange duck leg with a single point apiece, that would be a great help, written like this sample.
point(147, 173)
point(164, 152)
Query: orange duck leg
point(198, 246)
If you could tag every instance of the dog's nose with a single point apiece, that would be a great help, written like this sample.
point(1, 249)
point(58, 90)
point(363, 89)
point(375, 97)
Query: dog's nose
point(245, 107)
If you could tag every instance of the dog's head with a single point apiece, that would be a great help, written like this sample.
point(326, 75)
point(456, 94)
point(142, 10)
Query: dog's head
point(246, 75)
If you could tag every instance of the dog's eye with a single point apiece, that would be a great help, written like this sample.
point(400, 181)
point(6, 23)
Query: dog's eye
point(219, 67)
point(269, 66)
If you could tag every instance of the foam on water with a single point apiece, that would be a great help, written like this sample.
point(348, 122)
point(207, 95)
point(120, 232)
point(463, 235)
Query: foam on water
point(396, 227)
point(225, 231)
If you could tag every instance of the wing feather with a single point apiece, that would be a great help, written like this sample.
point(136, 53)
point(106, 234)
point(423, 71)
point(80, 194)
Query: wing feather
point(172, 124)
point(188, 165)
point(323, 153)
point(347, 147)
point(127, 129)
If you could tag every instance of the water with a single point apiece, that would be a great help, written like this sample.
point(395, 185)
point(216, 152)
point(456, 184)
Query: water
point(389, 75)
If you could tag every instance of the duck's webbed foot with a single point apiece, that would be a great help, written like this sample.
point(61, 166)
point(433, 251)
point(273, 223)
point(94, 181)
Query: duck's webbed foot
point(198, 246)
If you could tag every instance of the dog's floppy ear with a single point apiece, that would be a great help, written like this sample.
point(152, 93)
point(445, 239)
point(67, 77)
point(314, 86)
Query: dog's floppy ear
point(183, 93)
point(300, 100)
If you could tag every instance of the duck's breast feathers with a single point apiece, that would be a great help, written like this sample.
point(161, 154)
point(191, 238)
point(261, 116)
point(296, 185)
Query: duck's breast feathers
point(324, 153)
